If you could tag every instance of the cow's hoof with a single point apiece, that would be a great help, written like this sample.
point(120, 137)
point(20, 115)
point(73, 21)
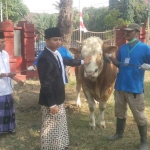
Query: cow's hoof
point(102, 125)
point(92, 127)
point(79, 105)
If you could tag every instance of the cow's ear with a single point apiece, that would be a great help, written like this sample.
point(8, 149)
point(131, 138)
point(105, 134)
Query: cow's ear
point(105, 45)
point(109, 49)
point(75, 51)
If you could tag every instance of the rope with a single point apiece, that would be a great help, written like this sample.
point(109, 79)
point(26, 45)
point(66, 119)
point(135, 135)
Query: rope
point(124, 64)
point(120, 39)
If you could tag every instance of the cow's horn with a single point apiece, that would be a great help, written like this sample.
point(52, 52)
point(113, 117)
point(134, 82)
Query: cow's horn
point(79, 42)
point(105, 41)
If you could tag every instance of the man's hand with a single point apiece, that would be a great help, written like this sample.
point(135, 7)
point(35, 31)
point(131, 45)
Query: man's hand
point(20, 82)
point(35, 67)
point(30, 68)
point(87, 60)
point(107, 58)
point(145, 67)
point(110, 58)
point(108, 55)
point(54, 110)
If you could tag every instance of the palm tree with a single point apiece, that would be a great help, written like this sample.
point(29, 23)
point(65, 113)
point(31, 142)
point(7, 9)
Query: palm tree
point(65, 21)
point(56, 5)
point(43, 21)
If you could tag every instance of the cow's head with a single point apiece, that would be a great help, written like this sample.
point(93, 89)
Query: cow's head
point(95, 48)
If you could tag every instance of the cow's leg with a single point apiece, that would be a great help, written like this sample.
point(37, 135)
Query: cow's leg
point(78, 90)
point(101, 119)
point(92, 107)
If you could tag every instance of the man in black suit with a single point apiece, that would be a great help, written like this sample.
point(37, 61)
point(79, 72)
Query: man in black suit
point(54, 132)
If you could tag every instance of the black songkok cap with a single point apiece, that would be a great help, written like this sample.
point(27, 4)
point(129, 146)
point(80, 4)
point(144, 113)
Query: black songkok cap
point(2, 35)
point(52, 32)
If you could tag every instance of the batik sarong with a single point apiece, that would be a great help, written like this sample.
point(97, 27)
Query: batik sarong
point(54, 131)
point(7, 114)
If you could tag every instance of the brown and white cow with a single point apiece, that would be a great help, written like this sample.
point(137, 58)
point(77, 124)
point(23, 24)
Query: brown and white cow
point(97, 78)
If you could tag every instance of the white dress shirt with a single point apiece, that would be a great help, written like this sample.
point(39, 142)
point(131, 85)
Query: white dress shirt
point(6, 84)
point(56, 53)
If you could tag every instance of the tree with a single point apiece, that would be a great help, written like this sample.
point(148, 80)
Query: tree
point(53, 20)
point(131, 10)
point(56, 5)
point(112, 20)
point(94, 18)
point(43, 21)
point(76, 18)
point(124, 6)
point(16, 10)
point(65, 21)
point(140, 11)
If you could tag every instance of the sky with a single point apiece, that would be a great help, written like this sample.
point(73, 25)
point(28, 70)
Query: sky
point(46, 6)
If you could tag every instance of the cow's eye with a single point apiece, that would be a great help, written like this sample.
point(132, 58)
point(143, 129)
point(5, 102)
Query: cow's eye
point(96, 69)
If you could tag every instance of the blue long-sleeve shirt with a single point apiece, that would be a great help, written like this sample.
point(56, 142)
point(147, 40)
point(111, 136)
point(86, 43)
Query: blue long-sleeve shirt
point(131, 78)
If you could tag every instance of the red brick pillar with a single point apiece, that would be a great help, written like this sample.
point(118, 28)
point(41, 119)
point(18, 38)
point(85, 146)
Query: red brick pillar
point(7, 27)
point(28, 47)
point(143, 34)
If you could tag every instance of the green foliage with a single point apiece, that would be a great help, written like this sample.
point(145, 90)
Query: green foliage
point(76, 19)
point(140, 12)
point(44, 20)
point(16, 10)
point(53, 20)
point(131, 10)
point(94, 18)
point(119, 13)
point(99, 19)
point(56, 4)
point(113, 20)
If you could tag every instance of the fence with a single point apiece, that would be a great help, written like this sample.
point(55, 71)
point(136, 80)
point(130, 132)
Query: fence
point(107, 35)
point(39, 42)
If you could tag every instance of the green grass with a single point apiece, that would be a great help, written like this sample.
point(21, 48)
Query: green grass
point(81, 136)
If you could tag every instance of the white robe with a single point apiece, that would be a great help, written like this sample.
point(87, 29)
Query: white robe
point(6, 84)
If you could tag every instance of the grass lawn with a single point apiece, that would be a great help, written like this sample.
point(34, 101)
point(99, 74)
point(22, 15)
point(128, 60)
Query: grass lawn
point(81, 136)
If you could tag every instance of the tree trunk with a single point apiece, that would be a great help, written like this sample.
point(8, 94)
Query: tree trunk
point(65, 21)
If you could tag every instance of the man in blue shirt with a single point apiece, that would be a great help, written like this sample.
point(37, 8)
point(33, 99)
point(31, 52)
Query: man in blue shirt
point(129, 84)
point(64, 53)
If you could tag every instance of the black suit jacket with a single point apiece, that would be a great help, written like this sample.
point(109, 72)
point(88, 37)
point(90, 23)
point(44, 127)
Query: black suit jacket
point(52, 90)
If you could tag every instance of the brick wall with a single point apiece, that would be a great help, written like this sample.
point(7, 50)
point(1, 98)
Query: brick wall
point(19, 63)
